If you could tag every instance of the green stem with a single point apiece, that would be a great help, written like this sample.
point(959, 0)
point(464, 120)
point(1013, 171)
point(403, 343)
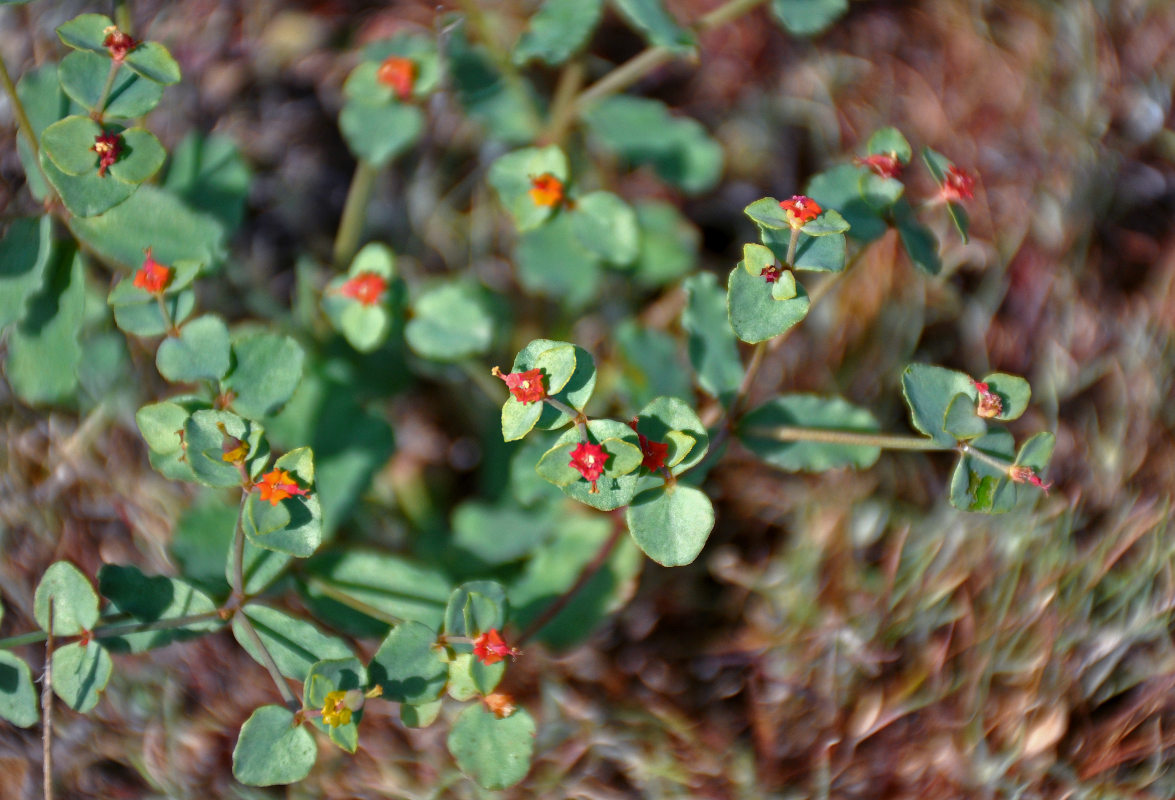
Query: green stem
point(559, 405)
point(122, 15)
point(563, 106)
point(47, 713)
point(100, 109)
point(979, 455)
point(354, 213)
point(352, 602)
point(886, 441)
point(22, 118)
point(111, 630)
point(267, 661)
point(791, 247)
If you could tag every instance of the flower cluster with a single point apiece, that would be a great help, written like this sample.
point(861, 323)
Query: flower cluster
point(588, 460)
point(152, 276)
point(527, 387)
point(546, 190)
point(400, 74)
point(490, 648)
point(800, 210)
point(277, 484)
point(366, 287)
point(108, 146)
point(770, 274)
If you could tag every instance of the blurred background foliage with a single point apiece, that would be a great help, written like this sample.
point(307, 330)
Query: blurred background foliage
point(845, 635)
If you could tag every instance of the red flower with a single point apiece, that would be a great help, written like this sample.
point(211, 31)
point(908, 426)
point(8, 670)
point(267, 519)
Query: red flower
point(1022, 474)
point(489, 648)
point(108, 146)
point(366, 287)
point(118, 43)
point(989, 404)
point(152, 276)
point(588, 460)
point(770, 274)
point(398, 73)
point(546, 190)
point(654, 453)
point(958, 186)
point(800, 210)
point(884, 164)
point(527, 387)
point(277, 484)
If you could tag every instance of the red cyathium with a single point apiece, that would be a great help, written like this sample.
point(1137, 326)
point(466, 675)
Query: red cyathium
point(490, 648)
point(588, 460)
point(653, 453)
point(366, 287)
point(152, 276)
point(108, 146)
point(884, 164)
point(800, 210)
point(117, 43)
point(989, 404)
point(1022, 474)
point(958, 185)
point(770, 274)
point(277, 484)
point(527, 387)
point(398, 73)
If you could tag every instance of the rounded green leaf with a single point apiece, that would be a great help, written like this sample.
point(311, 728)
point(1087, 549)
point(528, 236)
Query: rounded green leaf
point(830, 222)
point(606, 226)
point(474, 608)
point(879, 192)
point(200, 352)
point(813, 253)
point(272, 750)
point(205, 443)
point(671, 524)
point(496, 753)
point(668, 244)
point(617, 485)
point(420, 716)
point(557, 365)
point(153, 61)
point(75, 605)
point(557, 30)
point(80, 674)
point(756, 258)
point(378, 133)
point(294, 524)
point(961, 421)
point(267, 368)
point(145, 318)
point(390, 584)
point(83, 77)
point(162, 428)
point(518, 418)
point(70, 143)
point(296, 645)
point(142, 156)
point(840, 188)
point(25, 251)
point(713, 350)
point(478, 529)
point(808, 17)
point(767, 213)
point(365, 327)
point(663, 417)
point(511, 178)
point(363, 84)
point(152, 599)
point(890, 141)
point(551, 262)
point(18, 696)
point(85, 195)
point(755, 314)
point(408, 666)
point(929, 390)
point(451, 322)
point(575, 391)
point(765, 432)
point(1013, 391)
point(86, 32)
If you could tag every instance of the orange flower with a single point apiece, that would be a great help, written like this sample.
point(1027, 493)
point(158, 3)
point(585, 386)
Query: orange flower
point(108, 147)
point(152, 276)
point(366, 287)
point(546, 190)
point(501, 704)
point(277, 484)
point(588, 460)
point(527, 387)
point(490, 648)
point(400, 74)
point(800, 210)
point(957, 186)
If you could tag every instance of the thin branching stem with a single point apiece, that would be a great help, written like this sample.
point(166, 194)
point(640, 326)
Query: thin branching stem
point(340, 596)
point(22, 118)
point(885, 441)
point(564, 104)
point(354, 213)
point(47, 712)
point(100, 108)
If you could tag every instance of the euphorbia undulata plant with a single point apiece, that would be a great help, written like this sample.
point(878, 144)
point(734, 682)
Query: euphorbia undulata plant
point(247, 399)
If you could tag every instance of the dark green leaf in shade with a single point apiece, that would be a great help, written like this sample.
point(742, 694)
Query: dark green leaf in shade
point(919, 241)
point(389, 584)
point(210, 176)
point(153, 599)
point(656, 24)
point(18, 696)
point(450, 322)
point(266, 370)
point(713, 350)
point(606, 226)
point(551, 262)
point(25, 252)
point(557, 30)
point(408, 665)
point(43, 348)
point(668, 244)
point(840, 188)
point(296, 645)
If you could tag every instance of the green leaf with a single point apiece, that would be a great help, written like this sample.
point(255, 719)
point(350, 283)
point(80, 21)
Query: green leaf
point(505, 108)
point(511, 176)
point(260, 567)
point(460, 684)
point(518, 419)
point(712, 347)
point(153, 218)
point(86, 195)
point(666, 415)
point(43, 349)
point(652, 361)
point(420, 716)
point(152, 599)
point(642, 131)
point(142, 156)
point(86, 32)
point(18, 696)
point(202, 536)
point(808, 411)
point(767, 213)
point(496, 753)
point(272, 750)
point(920, 242)
point(550, 261)
point(617, 485)
point(829, 223)
point(558, 365)
point(890, 141)
point(294, 525)
point(575, 392)
point(44, 102)
point(408, 666)
point(478, 530)
point(939, 165)
point(1037, 452)
point(153, 61)
point(25, 252)
point(294, 643)
point(205, 443)
point(881, 193)
point(70, 142)
point(83, 77)
point(606, 226)
point(451, 322)
point(266, 370)
point(162, 427)
point(75, 606)
point(756, 258)
point(977, 485)
point(475, 608)
point(808, 17)
point(210, 176)
point(755, 314)
point(668, 244)
point(363, 83)
point(657, 25)
point(928, 391)
point(961, 421)
point(378, 133)
point(840, 188)
point(336, 675)
point(200, 352)
point(80, 674)
point(671, 524)
point(389, 584)
point(1013, 391)
point(558, 30)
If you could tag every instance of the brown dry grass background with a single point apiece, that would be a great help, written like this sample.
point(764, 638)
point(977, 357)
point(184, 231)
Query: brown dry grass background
point(846, 635)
